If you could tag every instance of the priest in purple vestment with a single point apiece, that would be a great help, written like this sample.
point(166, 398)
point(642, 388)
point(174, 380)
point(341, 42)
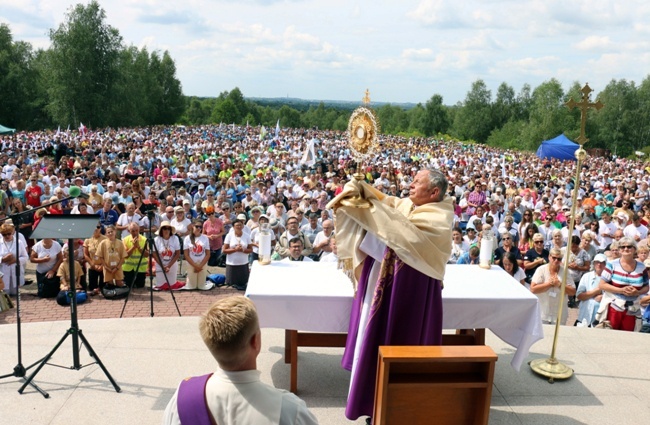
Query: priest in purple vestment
point(399, 249)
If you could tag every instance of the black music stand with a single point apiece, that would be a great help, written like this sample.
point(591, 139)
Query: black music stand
point(70, 227)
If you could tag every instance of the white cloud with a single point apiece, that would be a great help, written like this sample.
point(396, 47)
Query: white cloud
point(418, 54)
point(594, 42)
point(242, 33)
point(528, 66)
point(148, 42)
point(480, 40)
point(293, 39)
point(446, 14)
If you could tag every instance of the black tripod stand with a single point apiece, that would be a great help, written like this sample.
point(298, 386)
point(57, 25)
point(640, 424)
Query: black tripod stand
point(20, 370)
point(61, 227)
point(152, 248)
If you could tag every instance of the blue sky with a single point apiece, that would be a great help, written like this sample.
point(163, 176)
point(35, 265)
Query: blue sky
point(403, 51)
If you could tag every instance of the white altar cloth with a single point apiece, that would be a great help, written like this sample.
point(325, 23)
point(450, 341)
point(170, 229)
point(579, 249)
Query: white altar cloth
point(316, 297)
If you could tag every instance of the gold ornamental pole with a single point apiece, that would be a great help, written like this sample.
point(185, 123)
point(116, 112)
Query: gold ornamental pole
point(551, 367)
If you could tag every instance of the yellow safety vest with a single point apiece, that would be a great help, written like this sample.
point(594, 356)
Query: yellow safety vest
point(131, 262)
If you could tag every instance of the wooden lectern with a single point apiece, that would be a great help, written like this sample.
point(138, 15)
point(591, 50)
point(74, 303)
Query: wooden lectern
point(434, 384)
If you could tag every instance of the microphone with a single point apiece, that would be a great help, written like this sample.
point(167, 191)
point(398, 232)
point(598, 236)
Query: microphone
point(75, 192)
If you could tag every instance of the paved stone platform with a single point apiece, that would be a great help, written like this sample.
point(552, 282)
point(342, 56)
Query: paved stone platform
point(190, 303)
point(149, 356)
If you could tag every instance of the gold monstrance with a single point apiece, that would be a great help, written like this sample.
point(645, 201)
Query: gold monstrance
point(551, 367)
point(363, 129)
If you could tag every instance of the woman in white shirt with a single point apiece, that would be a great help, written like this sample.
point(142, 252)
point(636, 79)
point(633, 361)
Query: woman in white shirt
point(47, 256)
point(197, 254)
point(458, 246)
point(237, 246)
point(8, 258)
point(546, 284)
point(168, 250)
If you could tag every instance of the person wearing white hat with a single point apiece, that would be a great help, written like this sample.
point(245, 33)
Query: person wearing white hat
point(621, 220)
point(200, 194)
point(255, 214)
point(166, 254)
point(180, 222)
point(241, 217)
point(8, 259)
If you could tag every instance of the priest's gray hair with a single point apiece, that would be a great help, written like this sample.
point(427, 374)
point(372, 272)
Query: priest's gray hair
point(437, 179)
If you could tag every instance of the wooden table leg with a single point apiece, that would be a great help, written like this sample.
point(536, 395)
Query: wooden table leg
point(479, 336)
point(293, 386)
point(287, 345)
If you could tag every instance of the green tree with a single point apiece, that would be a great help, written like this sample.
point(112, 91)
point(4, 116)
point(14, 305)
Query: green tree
point(21, 93)
point(196, 113)
point(474, 119)
point(269, 116)
point(225, 112)
point(151, 84)
point(572, 123)
point(523, 103)
point(435, 119)
point(341, 123)
point(237, 98)
point(130, 101)
point(289, 117)
point(172, 104)
point(549, 116)
point(83, 67)
point(509, 136)
point(504, 106)
point(638, 129)
point(416, 118)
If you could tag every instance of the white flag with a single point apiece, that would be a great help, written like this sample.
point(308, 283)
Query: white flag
point(277, 129)
point(262, 133)
point(309, 156)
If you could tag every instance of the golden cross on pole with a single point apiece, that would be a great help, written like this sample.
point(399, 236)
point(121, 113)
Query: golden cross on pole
point(551, 367)
point(366, 98)
point(584, 105)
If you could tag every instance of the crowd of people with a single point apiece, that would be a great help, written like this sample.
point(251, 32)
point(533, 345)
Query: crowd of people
point(202, 194)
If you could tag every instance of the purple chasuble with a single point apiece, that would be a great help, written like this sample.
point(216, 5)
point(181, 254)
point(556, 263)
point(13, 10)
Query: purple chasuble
point(406, 310)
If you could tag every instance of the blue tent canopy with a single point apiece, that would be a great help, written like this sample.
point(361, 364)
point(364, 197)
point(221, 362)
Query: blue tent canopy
point(558, 148)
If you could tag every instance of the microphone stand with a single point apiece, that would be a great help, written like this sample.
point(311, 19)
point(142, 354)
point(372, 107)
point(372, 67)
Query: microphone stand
point(20, 371)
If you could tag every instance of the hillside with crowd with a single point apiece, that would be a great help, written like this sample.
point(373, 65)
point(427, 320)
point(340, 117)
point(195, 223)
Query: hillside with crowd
point(211, 186)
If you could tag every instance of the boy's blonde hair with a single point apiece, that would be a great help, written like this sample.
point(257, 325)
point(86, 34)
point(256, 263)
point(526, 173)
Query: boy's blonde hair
point(227, 328)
